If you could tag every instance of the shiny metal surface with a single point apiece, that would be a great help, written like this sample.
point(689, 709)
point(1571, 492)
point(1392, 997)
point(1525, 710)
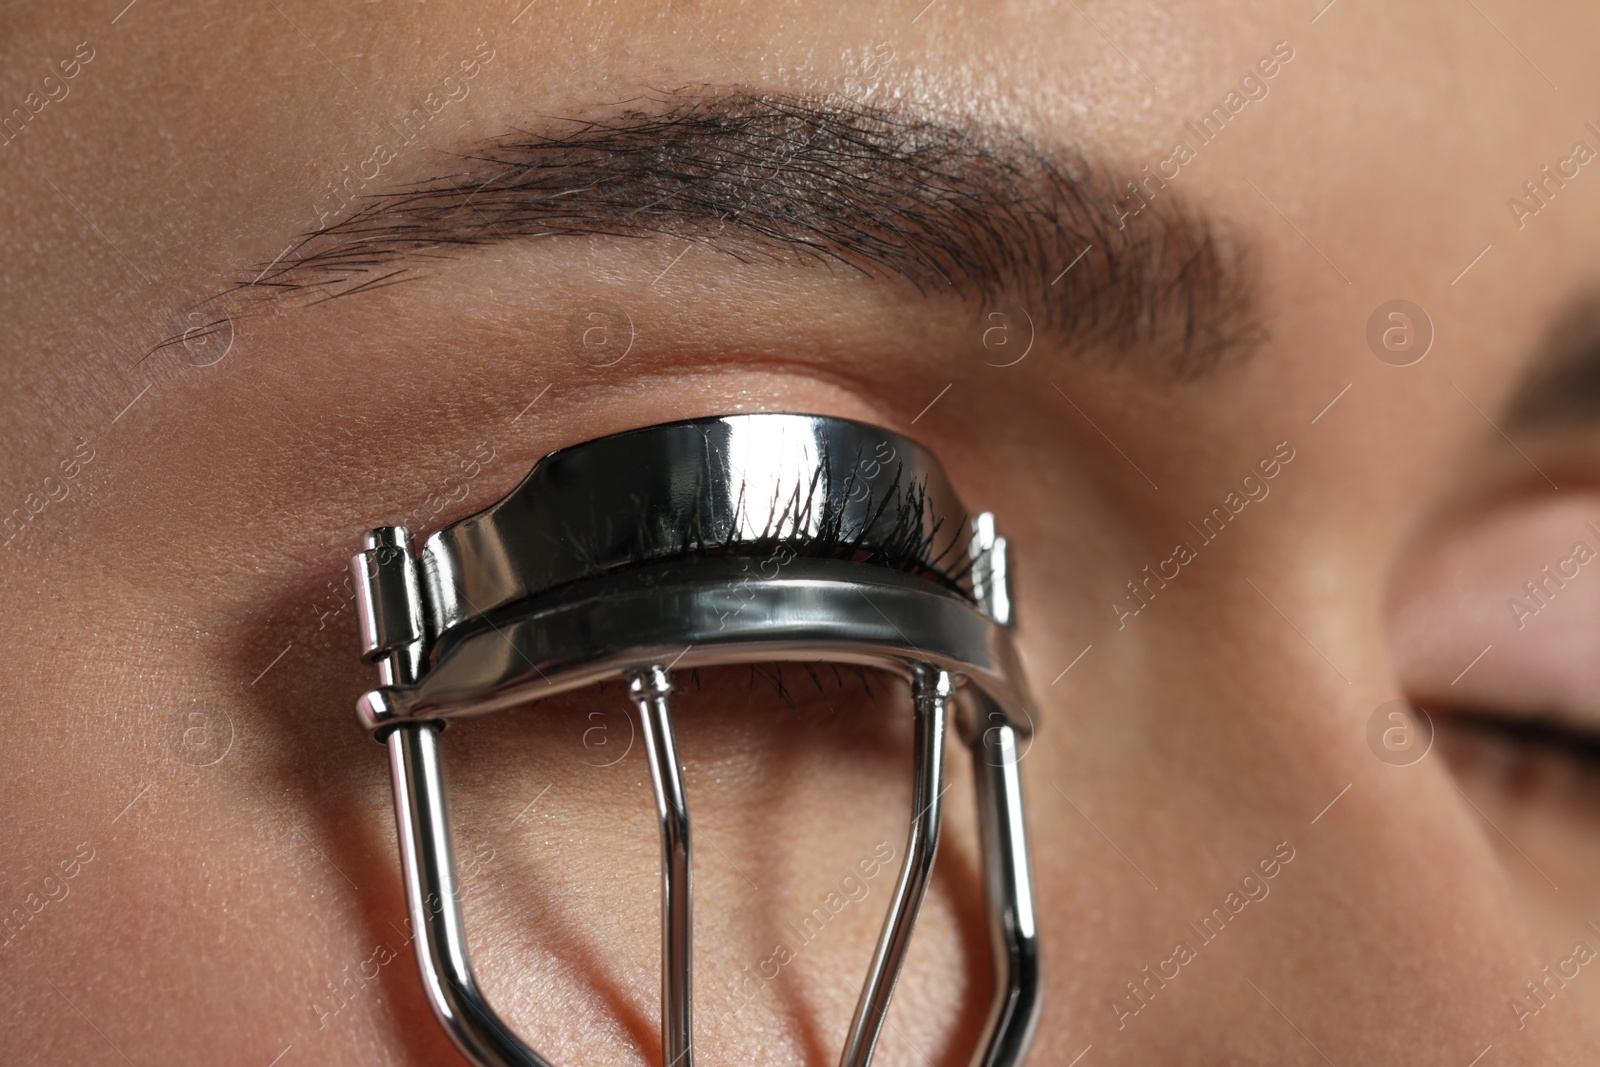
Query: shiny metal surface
point(650, 689)
point(427, 859)
point(708, 611)
point(433, 903)
point(1008, 896)
point(747, 538)
point(388, 602)
point(730, 484)
point(389, 605)
point(931, 694)
point(991, 584)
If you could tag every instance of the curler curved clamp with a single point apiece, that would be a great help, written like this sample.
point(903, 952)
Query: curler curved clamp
point(746, 538)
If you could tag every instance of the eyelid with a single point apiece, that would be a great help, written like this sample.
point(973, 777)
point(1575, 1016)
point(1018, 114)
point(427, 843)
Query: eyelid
point(1502, 611)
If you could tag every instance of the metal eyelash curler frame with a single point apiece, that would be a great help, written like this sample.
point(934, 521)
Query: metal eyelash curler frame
point(734, 539)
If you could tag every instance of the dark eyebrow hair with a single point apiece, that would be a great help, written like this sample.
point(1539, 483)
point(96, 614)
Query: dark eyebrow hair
point(979, 212)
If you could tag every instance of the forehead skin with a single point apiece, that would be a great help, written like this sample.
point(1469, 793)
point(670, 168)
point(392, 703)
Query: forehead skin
point(227, 907)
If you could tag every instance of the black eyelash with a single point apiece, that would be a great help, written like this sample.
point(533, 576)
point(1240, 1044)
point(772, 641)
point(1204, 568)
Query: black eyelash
point(903, 535)
point(1549, 733)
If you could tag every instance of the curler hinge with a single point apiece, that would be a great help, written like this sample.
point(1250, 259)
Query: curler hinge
point(389, 604)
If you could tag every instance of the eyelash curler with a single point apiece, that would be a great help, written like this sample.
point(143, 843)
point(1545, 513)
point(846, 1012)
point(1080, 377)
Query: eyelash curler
point(734, 539)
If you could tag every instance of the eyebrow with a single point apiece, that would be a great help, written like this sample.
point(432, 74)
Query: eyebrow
point(976, 212)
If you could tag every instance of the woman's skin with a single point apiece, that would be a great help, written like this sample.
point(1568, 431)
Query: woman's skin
point(183, 663)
